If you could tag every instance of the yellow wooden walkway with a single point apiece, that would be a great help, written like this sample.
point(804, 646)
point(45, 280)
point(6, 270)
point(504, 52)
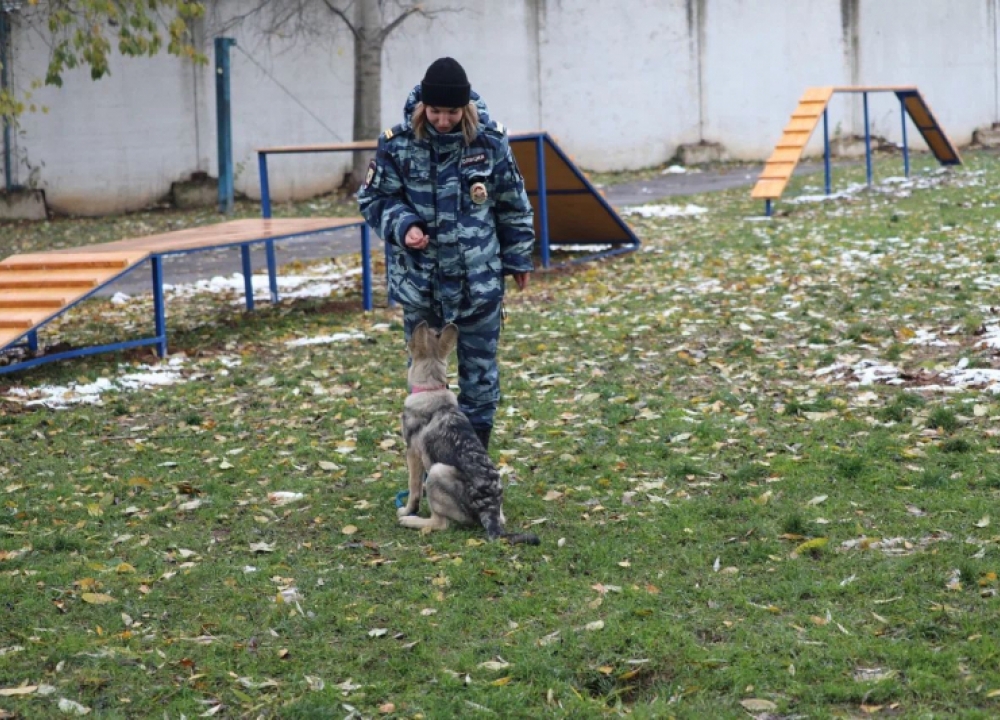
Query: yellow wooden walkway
point(38, 287)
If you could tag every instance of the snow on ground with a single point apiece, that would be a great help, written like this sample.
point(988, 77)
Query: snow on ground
point(664, 211)
point(135, 377)
point(326, 339)
point(316, 281)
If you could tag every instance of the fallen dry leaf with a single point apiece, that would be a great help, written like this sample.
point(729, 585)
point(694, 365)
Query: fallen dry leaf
point(758, 705)
point(97, 598)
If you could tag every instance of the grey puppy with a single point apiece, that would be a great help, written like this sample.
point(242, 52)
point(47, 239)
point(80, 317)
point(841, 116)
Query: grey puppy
point(462, 483)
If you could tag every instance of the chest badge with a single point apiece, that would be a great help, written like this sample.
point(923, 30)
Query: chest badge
point(478, 193)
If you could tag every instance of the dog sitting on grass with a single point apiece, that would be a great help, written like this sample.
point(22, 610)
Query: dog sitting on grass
point(462, 483)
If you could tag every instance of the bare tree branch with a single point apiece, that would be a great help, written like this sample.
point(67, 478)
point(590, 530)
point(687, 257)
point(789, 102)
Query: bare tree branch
point(343, 16)
point(387, 30)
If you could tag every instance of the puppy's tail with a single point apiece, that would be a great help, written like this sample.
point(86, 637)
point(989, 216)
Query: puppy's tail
point(518, 538)
point(495, 531)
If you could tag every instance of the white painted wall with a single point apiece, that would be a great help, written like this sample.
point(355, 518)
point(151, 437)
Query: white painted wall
point(620, 85)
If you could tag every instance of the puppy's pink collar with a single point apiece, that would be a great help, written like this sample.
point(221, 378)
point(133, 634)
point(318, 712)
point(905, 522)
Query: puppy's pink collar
point(426, 388)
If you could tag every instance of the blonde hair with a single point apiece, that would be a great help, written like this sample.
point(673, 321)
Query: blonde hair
point(469, 122)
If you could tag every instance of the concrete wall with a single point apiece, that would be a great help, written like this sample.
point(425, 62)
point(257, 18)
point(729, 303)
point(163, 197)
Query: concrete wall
point(620, 85)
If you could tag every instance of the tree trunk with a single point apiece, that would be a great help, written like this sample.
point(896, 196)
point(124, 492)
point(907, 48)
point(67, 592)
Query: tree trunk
point(367, 83)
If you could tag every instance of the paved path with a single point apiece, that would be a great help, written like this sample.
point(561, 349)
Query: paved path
point(184, 269)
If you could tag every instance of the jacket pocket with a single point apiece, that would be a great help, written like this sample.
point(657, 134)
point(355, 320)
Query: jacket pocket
point(409, 280)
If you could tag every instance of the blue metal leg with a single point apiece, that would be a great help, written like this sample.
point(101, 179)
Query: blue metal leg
point(826, 149)
point(33, 341)
point(543, 201)
point(265, 186)
point(247, 275)
point(159, 306)
point(272, 271)
point(388, 259)
point(906, 147)
point(366, 267)
point(868, 142)
point(767, 207)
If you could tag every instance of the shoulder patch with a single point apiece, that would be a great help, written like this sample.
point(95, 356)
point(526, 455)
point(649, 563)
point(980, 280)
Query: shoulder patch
point(394, 131)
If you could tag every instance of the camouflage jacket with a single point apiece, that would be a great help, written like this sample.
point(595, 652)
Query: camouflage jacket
point(429, 182)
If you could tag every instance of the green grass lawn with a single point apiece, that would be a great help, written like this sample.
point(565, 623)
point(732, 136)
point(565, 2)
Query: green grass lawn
point(761, 455)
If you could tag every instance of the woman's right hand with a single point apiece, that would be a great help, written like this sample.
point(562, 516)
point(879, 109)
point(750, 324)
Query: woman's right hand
point(416, 239)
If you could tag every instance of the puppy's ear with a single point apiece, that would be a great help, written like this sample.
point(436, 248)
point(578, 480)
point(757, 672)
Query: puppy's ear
point(419, 339)
point(448, 340)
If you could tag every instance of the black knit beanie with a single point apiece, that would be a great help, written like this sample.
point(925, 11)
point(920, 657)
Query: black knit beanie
point(445, 85)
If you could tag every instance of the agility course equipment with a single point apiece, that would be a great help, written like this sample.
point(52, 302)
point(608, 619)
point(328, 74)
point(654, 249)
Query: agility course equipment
point(813, 105)
point(569, 210)
point(37, 288)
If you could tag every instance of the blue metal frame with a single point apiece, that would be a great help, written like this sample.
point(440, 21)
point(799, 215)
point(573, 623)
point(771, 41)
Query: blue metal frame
point(542, 141)
point(826, 149)
point(543, 200)
point(906, 147)
point(868, 140)
point(159, 339)
point(265, 211)
point(223, 121)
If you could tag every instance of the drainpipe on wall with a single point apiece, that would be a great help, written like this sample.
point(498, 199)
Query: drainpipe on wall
point(4, 84)
point(6, 8)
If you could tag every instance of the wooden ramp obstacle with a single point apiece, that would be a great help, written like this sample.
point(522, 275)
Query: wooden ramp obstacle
point(39, 287)
point(569, 211)
point(812, 108)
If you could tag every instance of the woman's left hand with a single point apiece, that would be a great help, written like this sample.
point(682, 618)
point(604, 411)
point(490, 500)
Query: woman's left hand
point(521, 279)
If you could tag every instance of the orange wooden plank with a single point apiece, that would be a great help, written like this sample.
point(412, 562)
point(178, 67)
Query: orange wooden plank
point(768, 189)
point(939, 145)
point(321, 147)
point(786, 154)
point(873, 88)
point(919, 112)
point(48, 279)
point(23, 318)
point(14, 299)
point(8, 335)
point(227, 233)
point(67, 261)
point(814, 94)
point(809, 109)
point(558, 175)
point(777, 171)
point(801, 124)
point(794, 140)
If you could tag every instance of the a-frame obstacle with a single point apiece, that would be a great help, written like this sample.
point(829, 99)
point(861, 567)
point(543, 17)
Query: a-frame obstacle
point(812, 108)
point(569, 211)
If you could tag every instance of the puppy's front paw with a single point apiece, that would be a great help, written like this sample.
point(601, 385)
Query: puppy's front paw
point(404, 511)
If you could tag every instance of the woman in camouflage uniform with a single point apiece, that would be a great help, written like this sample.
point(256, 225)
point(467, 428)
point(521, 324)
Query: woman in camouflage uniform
point(445, 192)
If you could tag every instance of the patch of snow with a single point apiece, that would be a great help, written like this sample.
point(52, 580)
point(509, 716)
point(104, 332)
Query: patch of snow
point(326, 339)
point(664, 211)
point(58, 397)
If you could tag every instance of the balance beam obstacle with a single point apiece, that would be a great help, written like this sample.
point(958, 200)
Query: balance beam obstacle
point(39, 287)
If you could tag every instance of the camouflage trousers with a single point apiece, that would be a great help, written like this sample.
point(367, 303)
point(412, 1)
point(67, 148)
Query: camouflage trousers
point(478, 374)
